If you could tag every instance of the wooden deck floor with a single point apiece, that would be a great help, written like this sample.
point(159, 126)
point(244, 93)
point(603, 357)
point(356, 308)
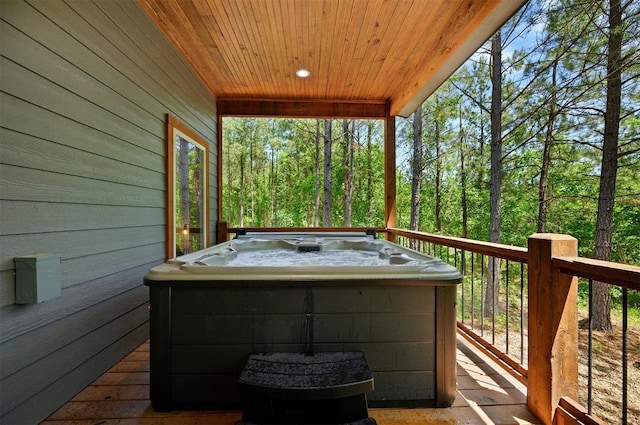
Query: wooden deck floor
point(486, 395)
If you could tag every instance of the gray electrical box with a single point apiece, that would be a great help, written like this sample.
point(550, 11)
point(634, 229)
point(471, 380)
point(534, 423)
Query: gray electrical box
point(38, 278)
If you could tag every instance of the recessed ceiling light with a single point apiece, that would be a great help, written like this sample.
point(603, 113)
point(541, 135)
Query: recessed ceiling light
point(303, 73)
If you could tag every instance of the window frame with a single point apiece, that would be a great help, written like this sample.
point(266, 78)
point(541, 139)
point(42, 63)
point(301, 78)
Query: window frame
point(176, 128)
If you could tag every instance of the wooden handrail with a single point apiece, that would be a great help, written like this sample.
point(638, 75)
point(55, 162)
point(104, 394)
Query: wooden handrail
point(624, 275)
point(508, 252)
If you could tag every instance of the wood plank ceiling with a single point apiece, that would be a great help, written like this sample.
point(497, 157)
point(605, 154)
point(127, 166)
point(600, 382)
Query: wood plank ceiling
point(376, 51)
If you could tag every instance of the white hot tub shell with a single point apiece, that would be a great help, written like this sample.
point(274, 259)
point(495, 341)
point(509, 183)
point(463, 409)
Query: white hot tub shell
point(211, 309)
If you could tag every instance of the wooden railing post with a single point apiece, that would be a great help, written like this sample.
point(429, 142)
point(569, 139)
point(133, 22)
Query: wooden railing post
point(390, 173)
point(553, 326)
point(222, 233)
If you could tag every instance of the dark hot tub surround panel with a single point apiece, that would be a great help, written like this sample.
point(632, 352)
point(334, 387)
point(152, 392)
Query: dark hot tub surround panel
point(208, 317)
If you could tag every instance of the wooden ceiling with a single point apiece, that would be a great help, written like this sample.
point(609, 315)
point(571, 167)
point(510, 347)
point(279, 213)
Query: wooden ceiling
point(358, 51)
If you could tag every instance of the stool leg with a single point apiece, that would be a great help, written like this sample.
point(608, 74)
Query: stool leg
point(353, 408)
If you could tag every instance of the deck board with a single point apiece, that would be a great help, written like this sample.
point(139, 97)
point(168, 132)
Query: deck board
point(486, 394)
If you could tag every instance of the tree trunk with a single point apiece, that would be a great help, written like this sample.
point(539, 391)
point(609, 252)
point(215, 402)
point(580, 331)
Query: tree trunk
point(416, 173)
point(326, 205)
point(543, 186)
point(348, 170)
point(480, 166)
point(601, 316)
point(463, 179)
point(493, 269)
point(316, 211)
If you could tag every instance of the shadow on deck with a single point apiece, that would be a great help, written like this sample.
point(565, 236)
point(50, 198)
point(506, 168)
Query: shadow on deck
point(486, 395)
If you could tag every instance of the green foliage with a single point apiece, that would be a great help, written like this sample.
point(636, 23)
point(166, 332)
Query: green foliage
point(272, 168)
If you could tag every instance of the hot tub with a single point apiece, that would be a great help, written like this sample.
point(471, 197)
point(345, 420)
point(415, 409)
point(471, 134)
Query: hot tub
point(309, 293)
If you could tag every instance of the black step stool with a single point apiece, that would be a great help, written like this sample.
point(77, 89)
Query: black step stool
point(292, 388)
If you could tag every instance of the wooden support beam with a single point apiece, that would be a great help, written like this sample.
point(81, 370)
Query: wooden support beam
point(390, 172)
point(302, 108)
point(221, 225)
point(553, 326)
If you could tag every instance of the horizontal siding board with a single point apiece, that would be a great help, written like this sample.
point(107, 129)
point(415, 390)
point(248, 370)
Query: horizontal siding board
point(79, 244)
point(27, 118)
point(32, 347)
point(154, 36)
point(47, 64)
point(26, 217)
point(42, 32)
point(66, 387)
point(32, 152)
point(20, 183)
point(19, 320)
point(80, 270)
point(169, 61)
point(95, 32)
point(85, 90)
point(33, 88)
point(7, 288)
point(41, 374)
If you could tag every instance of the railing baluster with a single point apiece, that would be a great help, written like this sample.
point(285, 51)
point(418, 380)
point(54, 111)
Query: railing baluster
point(482, 294)
point(521, 313)
point(495, 295)
point(462, 297)
point(464, 273)
point(590, 348)
point(506, 295)
point(624, 356)
point(473, 272)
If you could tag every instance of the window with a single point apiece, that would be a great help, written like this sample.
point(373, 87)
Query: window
point(187, 190)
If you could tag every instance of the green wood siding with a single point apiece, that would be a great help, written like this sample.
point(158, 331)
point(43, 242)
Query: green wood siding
point(85, 88)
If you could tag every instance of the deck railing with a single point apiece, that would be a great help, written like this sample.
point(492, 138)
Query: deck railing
point(535, 305)
point(604, 375)
point(554, 316)
point(499, 324)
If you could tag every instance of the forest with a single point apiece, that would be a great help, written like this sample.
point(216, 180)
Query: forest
point(539, 131)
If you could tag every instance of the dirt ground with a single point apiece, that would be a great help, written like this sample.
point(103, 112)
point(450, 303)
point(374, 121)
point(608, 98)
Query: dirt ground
point(607, 370)
point(607, 373)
